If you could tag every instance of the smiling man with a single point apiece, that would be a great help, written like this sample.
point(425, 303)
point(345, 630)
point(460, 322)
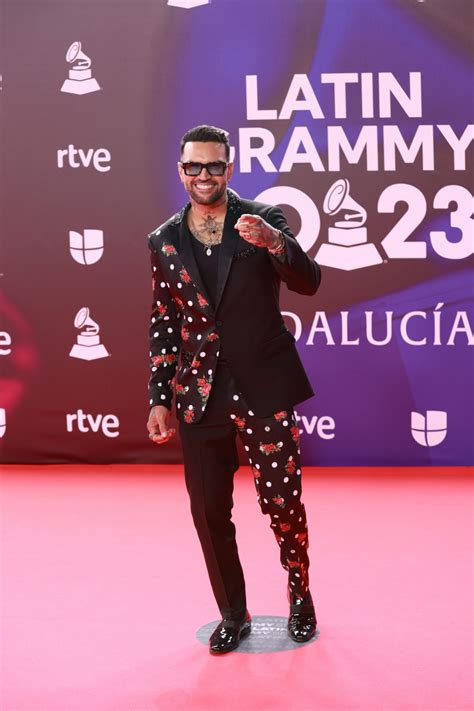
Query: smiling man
point(218, 342)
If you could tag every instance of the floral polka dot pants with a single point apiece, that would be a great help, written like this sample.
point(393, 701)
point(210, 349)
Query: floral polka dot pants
point(210, 461)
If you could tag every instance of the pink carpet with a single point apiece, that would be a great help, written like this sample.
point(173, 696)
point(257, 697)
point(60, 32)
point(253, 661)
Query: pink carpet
point(103, 588)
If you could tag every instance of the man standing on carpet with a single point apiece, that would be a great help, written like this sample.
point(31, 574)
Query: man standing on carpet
point(218, 339)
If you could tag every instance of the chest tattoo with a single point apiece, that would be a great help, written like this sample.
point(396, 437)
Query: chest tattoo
point(208, 231)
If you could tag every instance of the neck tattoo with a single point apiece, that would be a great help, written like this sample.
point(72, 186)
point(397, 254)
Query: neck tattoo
point(208, 232)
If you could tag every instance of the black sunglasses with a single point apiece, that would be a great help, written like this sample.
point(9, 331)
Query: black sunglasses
point(217, 168)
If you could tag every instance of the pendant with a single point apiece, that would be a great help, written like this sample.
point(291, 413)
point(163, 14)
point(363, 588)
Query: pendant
point(208, 251)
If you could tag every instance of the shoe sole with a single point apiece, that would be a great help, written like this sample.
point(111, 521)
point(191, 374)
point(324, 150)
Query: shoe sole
point(245, 631)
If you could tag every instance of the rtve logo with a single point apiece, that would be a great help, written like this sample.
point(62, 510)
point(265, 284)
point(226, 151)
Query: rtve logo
point(109, 424)
point(87, 247)
point(100, 158)
point(5, 343)
point(324, 426)
point(431, 429)
point(187, 4)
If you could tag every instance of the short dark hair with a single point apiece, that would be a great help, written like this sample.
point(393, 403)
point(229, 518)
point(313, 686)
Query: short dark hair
point(207, 134)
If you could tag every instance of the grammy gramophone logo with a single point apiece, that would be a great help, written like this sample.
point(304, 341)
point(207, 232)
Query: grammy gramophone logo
point(187, 4)
point(80, 79)
point(88, 345)
point(348, 247)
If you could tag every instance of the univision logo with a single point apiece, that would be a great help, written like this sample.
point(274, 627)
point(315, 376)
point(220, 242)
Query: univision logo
point(87, 247)
point(429, 430)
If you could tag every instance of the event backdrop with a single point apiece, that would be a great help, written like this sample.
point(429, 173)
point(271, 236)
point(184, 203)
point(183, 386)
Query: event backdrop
point(353, 115)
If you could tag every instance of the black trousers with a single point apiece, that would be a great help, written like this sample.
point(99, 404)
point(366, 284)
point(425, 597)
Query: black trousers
point(210, 461)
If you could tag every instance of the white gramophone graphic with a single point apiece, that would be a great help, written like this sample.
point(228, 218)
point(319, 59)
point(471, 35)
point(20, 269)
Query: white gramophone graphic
point(80, 79)
point(88, 346)
point(348, 247)
point(187, 4)
point(3, 421)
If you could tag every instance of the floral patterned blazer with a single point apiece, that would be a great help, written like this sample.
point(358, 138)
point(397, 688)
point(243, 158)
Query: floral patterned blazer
point(187, 332)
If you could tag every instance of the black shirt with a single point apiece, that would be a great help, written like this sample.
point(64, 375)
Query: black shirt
point(207, 265)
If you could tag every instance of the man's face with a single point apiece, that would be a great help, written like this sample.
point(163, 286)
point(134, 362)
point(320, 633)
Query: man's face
point(204, 189)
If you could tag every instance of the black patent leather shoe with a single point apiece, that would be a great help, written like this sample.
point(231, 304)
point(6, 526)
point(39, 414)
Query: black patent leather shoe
point(302, 621)
point(228, 633)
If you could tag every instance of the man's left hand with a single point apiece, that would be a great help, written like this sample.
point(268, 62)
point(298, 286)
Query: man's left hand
point(255, 230)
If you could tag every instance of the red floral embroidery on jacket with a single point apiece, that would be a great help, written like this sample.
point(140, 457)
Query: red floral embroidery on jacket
point(285, 527)
point(279, 501)
point(184, 276)
point(185, 334)
point(196, 363)
point(188, 416)
point(165, 359)
point(202, 300)
point(204, 388)
point(290, 466)
point(212, 336)
point(160, 309)
point(269, 448)
point(301, 537)
point(280, 415)
point(168, 249)
point(181, 389)
point(295, 433)
point(178, 302)
point(240, 422)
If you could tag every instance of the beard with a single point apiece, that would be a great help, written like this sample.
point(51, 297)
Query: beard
point(209, 197)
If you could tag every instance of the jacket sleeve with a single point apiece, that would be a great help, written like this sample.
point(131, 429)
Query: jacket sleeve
point(298, 271)
point(165, 336)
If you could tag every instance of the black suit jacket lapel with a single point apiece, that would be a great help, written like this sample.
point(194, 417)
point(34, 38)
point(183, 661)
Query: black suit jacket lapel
point(186, 253)
point(229, 243)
